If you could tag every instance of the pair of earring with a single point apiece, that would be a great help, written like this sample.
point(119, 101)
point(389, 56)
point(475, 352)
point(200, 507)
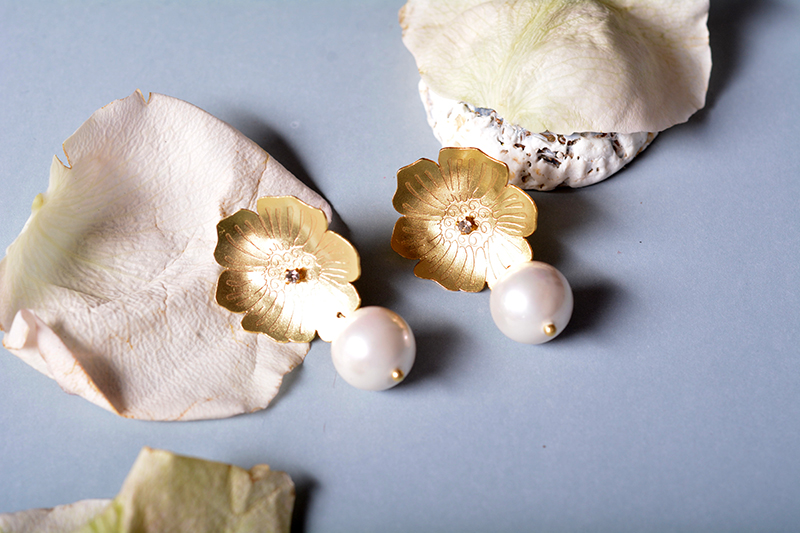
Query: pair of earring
point(291, 276)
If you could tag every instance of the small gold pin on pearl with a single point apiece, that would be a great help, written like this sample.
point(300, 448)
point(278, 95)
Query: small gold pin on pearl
point(398, 375)
point(550, 329)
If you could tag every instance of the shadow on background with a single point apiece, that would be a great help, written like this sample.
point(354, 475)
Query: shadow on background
point(726, 28)
point(380, 267)
point(561, 212)
point(592, 303)
point(304, 486)
point(289, 379)
point(437, 351)
point(264, 135)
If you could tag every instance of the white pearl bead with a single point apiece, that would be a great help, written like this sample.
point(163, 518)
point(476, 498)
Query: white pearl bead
point(531, 302)
point(374, 350)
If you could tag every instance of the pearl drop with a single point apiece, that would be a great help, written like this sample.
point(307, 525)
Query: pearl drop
point(531, 303)
point(374, 350)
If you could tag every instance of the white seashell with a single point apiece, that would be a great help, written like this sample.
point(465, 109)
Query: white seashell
point(109, 288)
point(540, 161)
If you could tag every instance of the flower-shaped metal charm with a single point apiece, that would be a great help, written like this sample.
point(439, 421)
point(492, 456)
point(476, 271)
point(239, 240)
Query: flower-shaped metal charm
point(284, 270)
point(461, 219)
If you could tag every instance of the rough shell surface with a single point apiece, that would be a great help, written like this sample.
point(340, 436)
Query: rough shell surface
point(540, 161)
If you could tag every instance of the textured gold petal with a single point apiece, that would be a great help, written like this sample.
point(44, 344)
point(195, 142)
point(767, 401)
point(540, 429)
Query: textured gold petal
point(462, 273)
point(515, 212)
point(242, 241)
point(337, 258)
point(413, 238)
point(473, 274)
point(469, 173)
point(480, 272)
point(292, 221)
point(239, 291)
point(504, 252)
point(273, 317)
point(343, 300)
point(314, 306)
point(436, 265)
point(421, 191)
point(451, 267)
point(296, 322)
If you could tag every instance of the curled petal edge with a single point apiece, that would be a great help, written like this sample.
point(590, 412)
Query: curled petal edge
point(30, 339)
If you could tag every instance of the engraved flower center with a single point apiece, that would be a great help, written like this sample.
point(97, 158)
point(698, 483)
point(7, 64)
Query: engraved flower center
point(468, 223)
point(290, 266)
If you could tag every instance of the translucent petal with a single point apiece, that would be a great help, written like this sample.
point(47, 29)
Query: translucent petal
point(168, 492)
point(566, 66)
point(61, 519)
point(117, 266)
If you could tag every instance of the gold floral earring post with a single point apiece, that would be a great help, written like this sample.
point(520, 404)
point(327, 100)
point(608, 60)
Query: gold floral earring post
point(291, 278)
point(467, 226)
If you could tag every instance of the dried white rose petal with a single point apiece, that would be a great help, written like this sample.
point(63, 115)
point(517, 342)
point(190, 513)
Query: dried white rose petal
point(61, 519)
point(167, 492)
point(109, 289)
point(566, 66)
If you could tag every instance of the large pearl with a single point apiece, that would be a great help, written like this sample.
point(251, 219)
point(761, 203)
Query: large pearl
point(531, 302)
point(374, 350)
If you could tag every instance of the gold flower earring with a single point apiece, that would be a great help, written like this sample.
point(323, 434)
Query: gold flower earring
point(467, 226)
point(291, 277)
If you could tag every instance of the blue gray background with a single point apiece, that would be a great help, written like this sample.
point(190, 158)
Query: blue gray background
point(672, 402)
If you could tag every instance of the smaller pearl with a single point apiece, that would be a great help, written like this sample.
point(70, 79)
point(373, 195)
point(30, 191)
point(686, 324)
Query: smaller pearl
point(374, 350)
point(531, 303)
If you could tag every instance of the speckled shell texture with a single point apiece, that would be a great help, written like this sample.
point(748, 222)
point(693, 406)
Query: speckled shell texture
point(540, 161)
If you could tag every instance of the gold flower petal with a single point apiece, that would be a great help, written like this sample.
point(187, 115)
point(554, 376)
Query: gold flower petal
point(243, 242)
point(414, 237)
point(475, 228)
point(338, 259)
point(451, 267)
point(273, 316)
point(505, 252)
point(473, 272)
point(344, 301)
point(516, 212)
point(291, 221)
point(436, 266)
point(286, 272)
point(421, 190)
point(299, 315)
point(238, 291)
point(469, 173)
point(466, 273)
